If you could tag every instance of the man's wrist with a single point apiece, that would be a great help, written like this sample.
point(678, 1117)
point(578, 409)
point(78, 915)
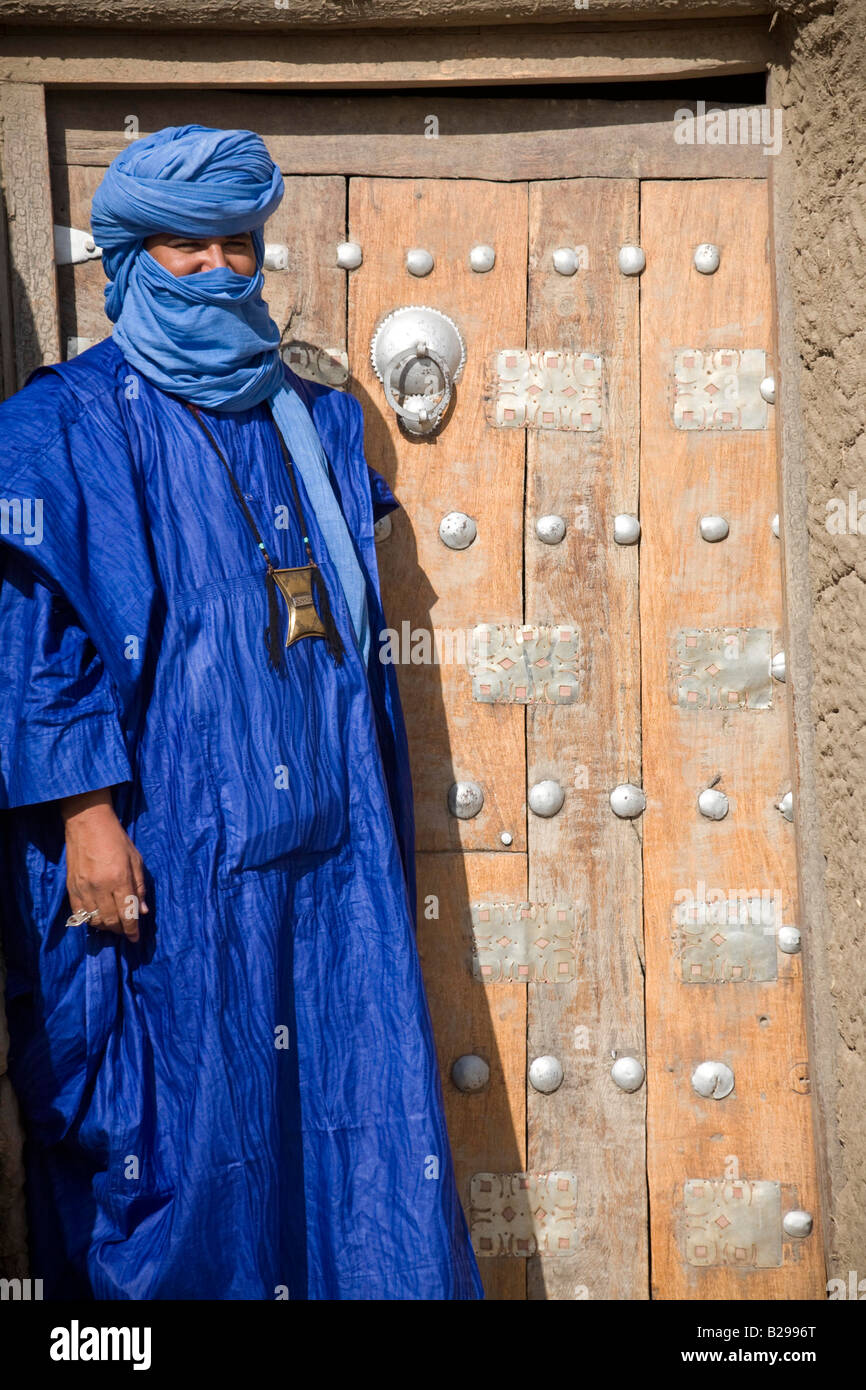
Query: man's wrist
point(93, 804)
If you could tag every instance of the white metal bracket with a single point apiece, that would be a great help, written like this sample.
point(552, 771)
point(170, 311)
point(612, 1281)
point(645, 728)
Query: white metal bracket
point(72, 246)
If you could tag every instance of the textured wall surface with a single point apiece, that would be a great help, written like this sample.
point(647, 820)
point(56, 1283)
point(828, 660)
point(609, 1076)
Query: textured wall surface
point(820, 212)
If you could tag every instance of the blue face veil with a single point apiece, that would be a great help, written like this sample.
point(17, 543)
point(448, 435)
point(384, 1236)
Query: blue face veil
point(208, 338)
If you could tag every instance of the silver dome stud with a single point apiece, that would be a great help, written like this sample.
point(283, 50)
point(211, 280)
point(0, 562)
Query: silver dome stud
point(545, 1075)
point(550, 529)
point(349, 255)
point(546, 797)
point(628, 1073)
point(707, 258)
point(465, 800)
point(627, 801)
point(713, 804)
point(418, 261)
point(470, 1073)
point(565, 260)
point(482, 258)
point(631, 260)
point(714, 528)
point(457, 530)
point(626, 529)
point(797, 1224)
point(768, 389)
point(713, 1080)
point(276, 256)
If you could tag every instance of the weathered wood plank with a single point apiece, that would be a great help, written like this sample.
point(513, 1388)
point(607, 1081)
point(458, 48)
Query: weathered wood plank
point(309, 14)
point(465, 467)
point(30, 222)
point(426, 57)
point(589, 1126)
point(395, 135)
point(487, 1128)
point(763, 1130)
point(8, 375)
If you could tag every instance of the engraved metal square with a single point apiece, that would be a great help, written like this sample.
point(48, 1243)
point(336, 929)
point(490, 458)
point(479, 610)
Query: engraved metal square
point(553, 389)
point(736, 1222)
point(328, 365)
point(513, 663)
point(74, 346)
point(523, 1214)
point(523, 942)
point(723, 668)
point(719, 389)
point(727, 942)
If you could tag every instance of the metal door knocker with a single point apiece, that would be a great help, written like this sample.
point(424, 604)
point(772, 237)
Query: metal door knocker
point(418, 354)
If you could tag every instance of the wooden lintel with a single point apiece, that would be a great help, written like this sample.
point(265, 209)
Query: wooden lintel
point(404, 58)
point(362, 14)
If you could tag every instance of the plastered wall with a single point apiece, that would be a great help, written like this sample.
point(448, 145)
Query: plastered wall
point(819, 80)
point(820, 223)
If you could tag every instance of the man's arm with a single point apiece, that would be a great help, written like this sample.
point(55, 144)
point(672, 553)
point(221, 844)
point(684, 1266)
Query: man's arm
point(61, 742)
point(59, 727)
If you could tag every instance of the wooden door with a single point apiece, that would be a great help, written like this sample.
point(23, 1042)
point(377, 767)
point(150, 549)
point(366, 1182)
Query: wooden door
point(606, 373)
point(581, 966)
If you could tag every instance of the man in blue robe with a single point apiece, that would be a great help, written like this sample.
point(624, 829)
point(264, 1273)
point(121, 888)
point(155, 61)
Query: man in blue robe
point(225, 1063)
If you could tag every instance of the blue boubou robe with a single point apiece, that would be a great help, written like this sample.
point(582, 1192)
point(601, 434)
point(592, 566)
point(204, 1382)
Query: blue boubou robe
point(246, 1103)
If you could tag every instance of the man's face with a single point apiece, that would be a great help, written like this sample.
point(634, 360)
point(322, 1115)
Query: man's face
point(184, 255)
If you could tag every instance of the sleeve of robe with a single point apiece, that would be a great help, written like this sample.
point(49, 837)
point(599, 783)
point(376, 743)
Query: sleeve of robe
point(384, 500)
point(59, 728)
point(393, 735)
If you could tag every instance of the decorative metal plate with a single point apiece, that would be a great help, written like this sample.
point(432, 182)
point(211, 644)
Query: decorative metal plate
point(719, 390)
point(514, 663)
point(75, 346)
point(735, 1222)
point(727, 942)
point(550, 390)
point(723, 668)
point(523, 943)
point(523, 1213)
point(327, 365)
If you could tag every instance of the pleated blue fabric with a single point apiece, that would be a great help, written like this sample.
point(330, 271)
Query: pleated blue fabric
point(246, 1103)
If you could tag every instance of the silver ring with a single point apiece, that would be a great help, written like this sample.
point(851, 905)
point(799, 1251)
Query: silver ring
point(81, 916)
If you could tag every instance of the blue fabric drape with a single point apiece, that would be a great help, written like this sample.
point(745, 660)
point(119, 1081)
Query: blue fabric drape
point(208, 337)
point(273, 812)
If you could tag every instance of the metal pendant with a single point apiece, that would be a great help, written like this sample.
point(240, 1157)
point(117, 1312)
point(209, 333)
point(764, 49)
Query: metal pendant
point(296, 587)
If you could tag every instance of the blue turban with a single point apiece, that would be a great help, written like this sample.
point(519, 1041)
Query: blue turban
point(208, 337)
point(189, 179)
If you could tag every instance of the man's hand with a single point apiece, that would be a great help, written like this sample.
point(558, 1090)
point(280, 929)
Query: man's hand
point(104, 870)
